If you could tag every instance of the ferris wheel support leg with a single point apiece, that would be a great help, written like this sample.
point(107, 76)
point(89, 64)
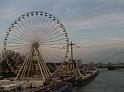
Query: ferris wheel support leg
point(44, 68)
point(48, 72)
point(25, 68)
point(26, 65)
point(41, 69)
point(21, 68)
point(43, 64)
point(29, 68)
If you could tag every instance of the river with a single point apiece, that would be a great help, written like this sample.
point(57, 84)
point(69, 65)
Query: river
point(106, 81)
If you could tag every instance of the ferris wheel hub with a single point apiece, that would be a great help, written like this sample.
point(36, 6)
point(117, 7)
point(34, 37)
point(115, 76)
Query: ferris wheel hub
point(35, 45)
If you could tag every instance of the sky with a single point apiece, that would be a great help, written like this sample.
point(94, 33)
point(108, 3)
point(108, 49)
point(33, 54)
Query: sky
point(97, 26)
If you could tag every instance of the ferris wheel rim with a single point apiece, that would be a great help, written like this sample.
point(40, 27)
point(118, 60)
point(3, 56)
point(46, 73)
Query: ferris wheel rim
point(26, 15)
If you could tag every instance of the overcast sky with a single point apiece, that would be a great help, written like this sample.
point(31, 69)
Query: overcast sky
point(97, 26)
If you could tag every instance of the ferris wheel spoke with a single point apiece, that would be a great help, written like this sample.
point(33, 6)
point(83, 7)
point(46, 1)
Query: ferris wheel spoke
point(57, 40)
point(56, 37)
point(33, 23)
point(59, 55)
point(56, 32)
point(25, 32)
point(14, 35)
point(19, 48)
point(14, 39)
point(40, 34)
point(51, 52)
point(37, 20)
point(18, 37)
point(50, 30)
point(50, 25)
point(44, 22)
point(47, 26)
point(23, 25)
point(50, 56)
point(54, 44)
point(20, 27)
point(53, 58)
point(16, 43)
point(16, 28)
point(26, 22)
point(37, 28)
point(52, 22)
point(24, 51)
point(29, 25)
point(22, 33)
point(28, 30)
point(53, 47)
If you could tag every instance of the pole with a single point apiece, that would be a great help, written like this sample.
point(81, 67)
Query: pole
point(71, 44)
point(72, 58)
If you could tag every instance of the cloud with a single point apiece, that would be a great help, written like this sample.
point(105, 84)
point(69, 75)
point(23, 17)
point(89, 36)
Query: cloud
point(99, 21)
point(96, 25)
point(109, 43)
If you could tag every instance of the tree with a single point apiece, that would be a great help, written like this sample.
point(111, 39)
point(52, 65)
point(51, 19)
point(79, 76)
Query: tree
point(14, 58)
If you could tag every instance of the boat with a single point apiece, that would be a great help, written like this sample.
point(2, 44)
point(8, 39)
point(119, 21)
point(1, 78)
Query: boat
point(81, 80)
point(85, 79)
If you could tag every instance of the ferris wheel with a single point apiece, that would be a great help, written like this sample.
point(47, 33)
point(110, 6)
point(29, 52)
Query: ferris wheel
point(38, 36)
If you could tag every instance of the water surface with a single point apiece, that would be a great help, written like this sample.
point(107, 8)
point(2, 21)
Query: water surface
point(106, 81)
